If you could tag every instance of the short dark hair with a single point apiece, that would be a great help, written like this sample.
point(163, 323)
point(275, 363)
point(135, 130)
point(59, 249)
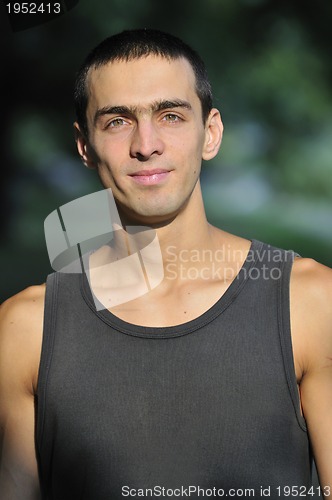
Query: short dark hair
point(134, 44)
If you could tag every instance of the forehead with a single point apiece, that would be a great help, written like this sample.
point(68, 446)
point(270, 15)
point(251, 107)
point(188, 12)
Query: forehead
point(141, 81)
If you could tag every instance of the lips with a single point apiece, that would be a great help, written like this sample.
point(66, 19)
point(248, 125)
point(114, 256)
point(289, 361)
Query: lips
point(150, 177)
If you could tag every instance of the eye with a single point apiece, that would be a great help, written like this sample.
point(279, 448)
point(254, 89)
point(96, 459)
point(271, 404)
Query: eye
point(171, 117)
point(116, 122)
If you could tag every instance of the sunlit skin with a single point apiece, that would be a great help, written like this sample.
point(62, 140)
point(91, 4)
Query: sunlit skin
point(146, 116)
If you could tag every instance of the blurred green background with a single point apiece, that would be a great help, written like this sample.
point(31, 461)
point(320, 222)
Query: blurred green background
point(271, 68)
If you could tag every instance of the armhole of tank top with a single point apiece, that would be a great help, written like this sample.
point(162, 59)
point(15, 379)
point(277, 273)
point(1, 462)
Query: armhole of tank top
point(285, 334)
point(46, 353)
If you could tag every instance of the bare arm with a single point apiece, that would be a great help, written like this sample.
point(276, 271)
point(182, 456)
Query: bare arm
point(311, 306)
point(20, 345)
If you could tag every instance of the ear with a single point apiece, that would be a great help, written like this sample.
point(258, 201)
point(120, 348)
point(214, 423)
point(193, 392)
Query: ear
point(213, 135)
point(84, 148)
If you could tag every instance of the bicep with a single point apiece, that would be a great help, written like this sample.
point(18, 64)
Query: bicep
point(316, 398)
point(311, 317)
point(19, 359)
point(18, 467)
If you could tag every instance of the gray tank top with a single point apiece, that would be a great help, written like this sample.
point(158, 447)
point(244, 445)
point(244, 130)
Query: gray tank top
point(211, 404)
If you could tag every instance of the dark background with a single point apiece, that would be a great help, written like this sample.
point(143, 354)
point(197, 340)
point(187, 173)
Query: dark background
point(271, 68)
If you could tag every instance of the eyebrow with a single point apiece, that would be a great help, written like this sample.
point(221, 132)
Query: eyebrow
point(133, 110)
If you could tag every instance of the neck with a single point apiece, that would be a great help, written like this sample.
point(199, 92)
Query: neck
point(168, 253)
point(188, 229)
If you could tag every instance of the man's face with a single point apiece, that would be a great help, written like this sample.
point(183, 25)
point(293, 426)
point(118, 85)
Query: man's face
point(146, 134)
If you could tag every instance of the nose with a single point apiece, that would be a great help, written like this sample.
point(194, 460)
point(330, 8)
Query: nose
point(146, 141)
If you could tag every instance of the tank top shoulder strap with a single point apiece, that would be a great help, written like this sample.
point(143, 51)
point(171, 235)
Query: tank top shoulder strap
point(50, 316)
point(284, 323)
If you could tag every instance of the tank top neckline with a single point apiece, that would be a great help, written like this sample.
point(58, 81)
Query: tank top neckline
point(209, 315)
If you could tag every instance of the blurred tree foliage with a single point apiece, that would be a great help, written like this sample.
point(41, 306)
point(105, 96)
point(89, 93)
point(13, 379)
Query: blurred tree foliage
point(271, 68)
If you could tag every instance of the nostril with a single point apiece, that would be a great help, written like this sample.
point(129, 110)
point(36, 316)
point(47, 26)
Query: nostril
point(141, 157)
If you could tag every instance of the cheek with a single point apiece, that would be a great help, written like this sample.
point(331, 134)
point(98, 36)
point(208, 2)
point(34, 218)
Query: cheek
point(111, 147)
point(189, 145)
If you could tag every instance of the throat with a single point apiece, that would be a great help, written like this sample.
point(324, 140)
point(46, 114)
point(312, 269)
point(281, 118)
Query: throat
point(172, 307)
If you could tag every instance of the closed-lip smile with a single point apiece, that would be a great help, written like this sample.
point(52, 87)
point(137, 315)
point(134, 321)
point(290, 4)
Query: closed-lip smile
point(151, 176)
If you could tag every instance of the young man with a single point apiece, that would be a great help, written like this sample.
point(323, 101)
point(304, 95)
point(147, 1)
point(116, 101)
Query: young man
point(214, 386)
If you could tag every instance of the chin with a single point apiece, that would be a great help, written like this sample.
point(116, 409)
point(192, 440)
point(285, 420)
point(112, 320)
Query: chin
point(147, 216)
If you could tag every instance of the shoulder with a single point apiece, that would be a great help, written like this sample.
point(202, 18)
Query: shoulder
point(23, 310)
point(311, 312)
point(21, 327)
point(311, 284)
